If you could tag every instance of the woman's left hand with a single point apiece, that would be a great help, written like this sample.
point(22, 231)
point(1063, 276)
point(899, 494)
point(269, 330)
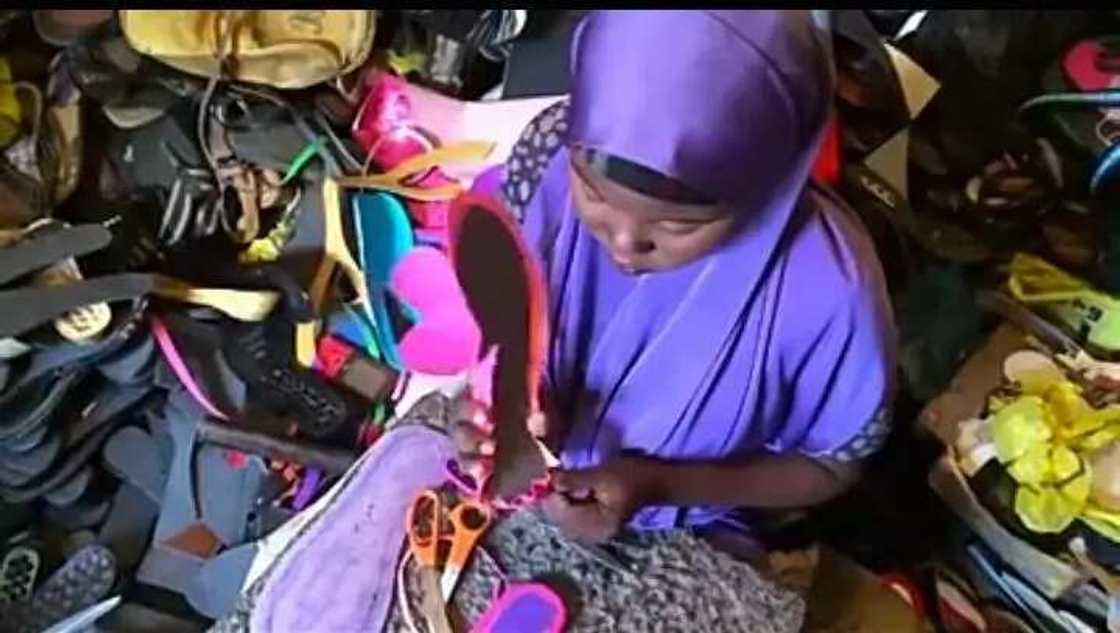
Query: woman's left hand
point(594, 504)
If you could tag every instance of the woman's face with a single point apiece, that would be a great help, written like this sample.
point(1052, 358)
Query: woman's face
point(644, 234)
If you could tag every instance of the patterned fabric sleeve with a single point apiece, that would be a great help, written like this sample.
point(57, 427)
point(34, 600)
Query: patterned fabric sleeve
point(540, 141)
point(868, 441)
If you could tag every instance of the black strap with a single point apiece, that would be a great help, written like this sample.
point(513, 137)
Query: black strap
point(41, 250)
point(27, 308)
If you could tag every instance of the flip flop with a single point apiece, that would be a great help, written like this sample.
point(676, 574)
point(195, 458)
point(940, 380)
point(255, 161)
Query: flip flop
point(31, 407)
point(384, 237)
point(18, 572)
point(506, 293)
point(82, 581)
point(69, 466)
point(35, 461)
point(70, 490)
point(27, 308)
point(86, 513)
point(46, 246)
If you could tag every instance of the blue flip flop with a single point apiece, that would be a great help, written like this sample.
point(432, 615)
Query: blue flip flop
point(384, 237)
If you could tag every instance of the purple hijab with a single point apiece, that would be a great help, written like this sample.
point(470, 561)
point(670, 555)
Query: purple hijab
point(781, 340)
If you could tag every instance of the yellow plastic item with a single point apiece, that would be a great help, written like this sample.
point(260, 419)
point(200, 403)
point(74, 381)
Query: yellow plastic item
point(10, 113)
point(1019, 426)
point(1047, 440)
point(280, 48)
point(1104, 522)
point(1085, 310)
point(396, 180)
point(1044, 510)
point(336, 254)
point(243, 305)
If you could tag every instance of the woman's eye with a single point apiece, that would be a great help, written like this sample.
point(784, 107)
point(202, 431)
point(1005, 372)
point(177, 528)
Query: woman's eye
point(678, 228)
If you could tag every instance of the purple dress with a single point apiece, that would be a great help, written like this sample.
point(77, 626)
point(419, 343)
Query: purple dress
point(782, 339)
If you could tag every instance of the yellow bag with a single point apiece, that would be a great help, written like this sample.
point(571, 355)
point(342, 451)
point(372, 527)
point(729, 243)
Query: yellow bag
point(283, 49)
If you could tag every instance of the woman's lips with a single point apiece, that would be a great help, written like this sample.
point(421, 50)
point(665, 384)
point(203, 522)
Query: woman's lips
point(626, 266)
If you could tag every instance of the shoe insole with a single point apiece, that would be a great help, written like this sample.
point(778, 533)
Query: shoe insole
point(131, 454)
point(168, 568)
point(227, 494)
point(178, 509)
point(213, 592)
point(338, 574)
point(505, 291)
point(40, 251)
point(524, 607)
point(18, 573)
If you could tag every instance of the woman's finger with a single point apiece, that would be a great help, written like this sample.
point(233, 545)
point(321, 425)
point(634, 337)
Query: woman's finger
point(470, 441)
point(581, 521)
point(538, 424)
point(475, 413)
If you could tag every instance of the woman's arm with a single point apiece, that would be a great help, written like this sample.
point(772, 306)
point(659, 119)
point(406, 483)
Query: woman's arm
point(768, 481)
point(595, 503)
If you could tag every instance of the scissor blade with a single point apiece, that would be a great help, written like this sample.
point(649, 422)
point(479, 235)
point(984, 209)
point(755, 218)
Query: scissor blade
point(449, 580)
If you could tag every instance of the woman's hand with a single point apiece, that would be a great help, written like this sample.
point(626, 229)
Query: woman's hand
point(472, 433)
point(596, 503)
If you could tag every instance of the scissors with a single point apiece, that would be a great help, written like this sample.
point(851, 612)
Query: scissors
point(436, 518)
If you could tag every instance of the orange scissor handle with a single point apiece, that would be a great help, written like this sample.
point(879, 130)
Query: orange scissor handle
point(469, 519)
point(423, 526)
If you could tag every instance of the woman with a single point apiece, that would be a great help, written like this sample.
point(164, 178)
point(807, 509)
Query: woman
point(722, 336)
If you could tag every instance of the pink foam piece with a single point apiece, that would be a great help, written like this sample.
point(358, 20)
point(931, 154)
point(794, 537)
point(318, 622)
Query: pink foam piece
point(446, 339)
point(524, 607)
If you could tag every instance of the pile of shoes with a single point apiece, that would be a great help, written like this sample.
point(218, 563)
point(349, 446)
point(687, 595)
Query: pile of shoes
point(180, 370)
point(979, 150)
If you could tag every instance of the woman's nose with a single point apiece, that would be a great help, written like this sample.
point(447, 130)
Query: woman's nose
point(628, 241)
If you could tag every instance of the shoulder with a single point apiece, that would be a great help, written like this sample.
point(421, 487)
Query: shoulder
point(831, 276)
point(539, 142)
